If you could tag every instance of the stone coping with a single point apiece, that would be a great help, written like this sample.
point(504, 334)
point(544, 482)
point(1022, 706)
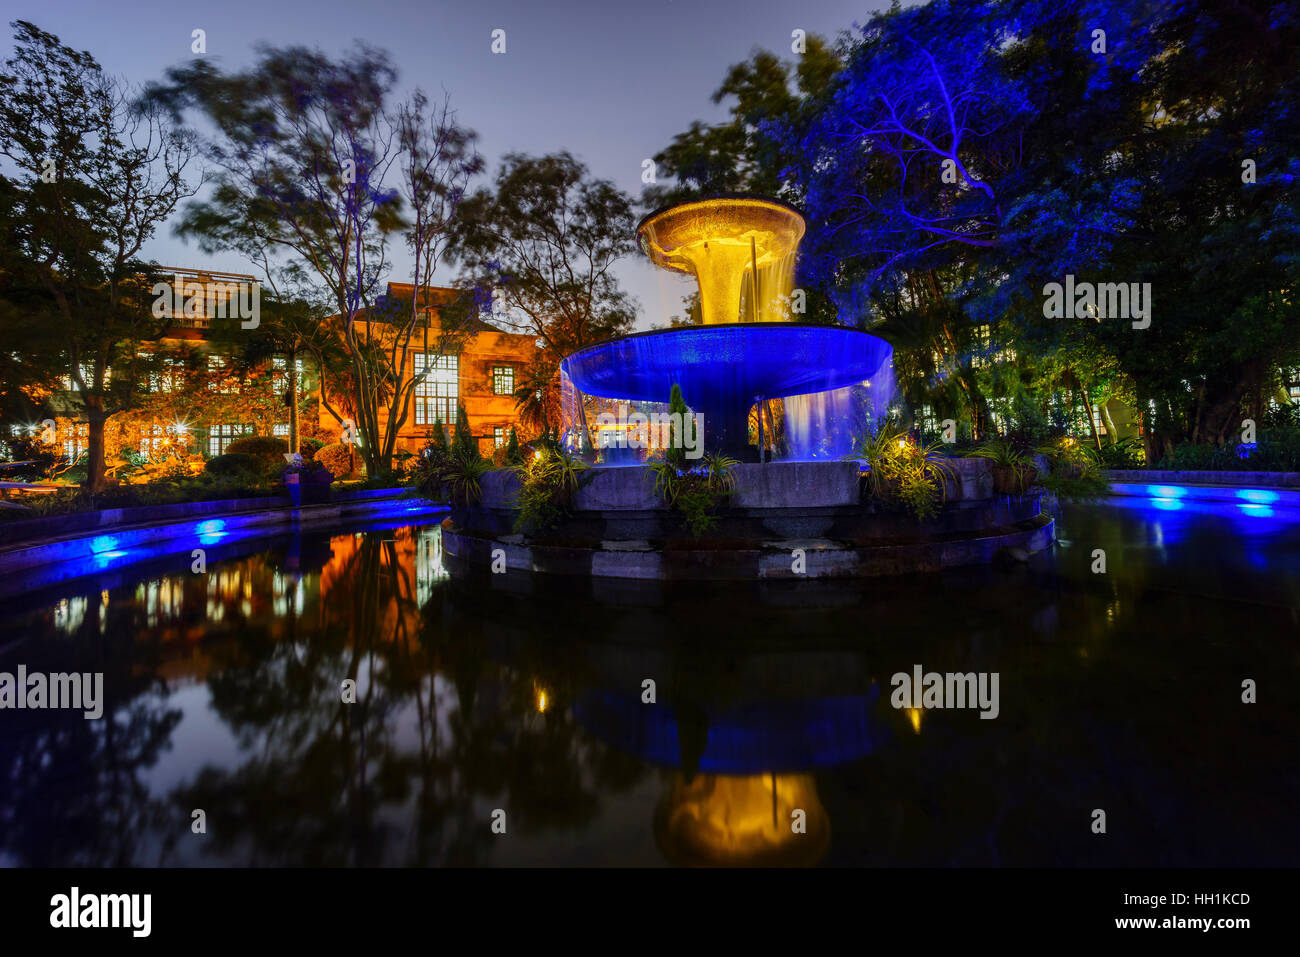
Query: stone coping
point(820, 558)
point(57, 526)
point(111, 546)
point(771, 485)
point(1204, 477)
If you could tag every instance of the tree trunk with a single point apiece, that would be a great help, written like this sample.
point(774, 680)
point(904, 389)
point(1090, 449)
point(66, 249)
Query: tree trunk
point(294, 441)
point(1108, 421)
point(1087, 410)
point(96, 481)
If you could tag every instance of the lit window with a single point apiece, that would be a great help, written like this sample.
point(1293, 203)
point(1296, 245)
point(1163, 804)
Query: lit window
point(77, 443)
point(87, 376)
point(280, 378)
point(222, 381)
point(503, 380)
point(220, 436)
point(498, 436)
point(280, 431)
point(437, 392)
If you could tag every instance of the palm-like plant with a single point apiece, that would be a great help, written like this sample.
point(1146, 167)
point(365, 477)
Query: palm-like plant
point(900, 469)
point(537, 396)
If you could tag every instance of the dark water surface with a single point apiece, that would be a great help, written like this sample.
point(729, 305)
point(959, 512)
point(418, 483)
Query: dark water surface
point(1119, 691)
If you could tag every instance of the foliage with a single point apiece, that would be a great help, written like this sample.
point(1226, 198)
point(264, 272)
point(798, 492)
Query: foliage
point(251, 467)
point(438, 440)
point(462, 476)
point(1126, 453)
point(1001, 452)
point(902, 471)
point(308, 448)
point(675, 454)
point(1075, 471)
point(310, 470)
point(696, 492)
point(264, 446)
point(72, 243)
point(1275, 450)
point(204, 488)
point(513, 454)
point(548, 481)
point(1016, 465)
point(543, 238)
point(463, 443)
point(336, 458)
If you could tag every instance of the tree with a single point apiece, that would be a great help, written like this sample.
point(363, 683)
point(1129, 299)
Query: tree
point(305, 150)
point(463, 444)
point(543, 238)
point(537, 395)
point(742, 154)
point(99, 170)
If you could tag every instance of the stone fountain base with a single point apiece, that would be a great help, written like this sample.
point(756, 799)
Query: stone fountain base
point(786, 520)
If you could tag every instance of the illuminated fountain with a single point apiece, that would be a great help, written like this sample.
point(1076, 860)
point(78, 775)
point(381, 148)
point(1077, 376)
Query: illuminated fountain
point(788, 400)
point(748, 369)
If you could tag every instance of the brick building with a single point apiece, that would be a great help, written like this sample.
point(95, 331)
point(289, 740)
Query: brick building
point(192, 401)
point(477, 366)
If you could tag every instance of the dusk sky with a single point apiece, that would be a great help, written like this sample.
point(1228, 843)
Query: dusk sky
point(612, 82)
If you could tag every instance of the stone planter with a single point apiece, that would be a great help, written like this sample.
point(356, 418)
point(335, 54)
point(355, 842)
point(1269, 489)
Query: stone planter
point(1013, 479)
point(292, 483)
point(316, 488)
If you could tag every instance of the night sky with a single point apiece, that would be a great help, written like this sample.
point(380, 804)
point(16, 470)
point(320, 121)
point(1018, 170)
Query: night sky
point(612, 81)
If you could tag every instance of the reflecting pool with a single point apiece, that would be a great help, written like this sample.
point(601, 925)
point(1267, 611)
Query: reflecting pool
point(1119, 690)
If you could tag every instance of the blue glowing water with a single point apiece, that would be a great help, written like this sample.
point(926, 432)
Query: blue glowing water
point(723, 370)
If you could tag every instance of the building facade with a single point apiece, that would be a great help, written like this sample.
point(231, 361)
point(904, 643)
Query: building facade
point(194, 398)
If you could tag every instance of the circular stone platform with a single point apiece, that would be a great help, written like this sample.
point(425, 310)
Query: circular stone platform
point(786, 520)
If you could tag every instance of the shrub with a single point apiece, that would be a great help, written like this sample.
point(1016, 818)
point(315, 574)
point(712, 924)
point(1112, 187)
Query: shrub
point(463, 475)
point(463, 443)
point(308, 448)
point(338, 459)
point(267, 446)
point(1275, 450)
point(236, 463)
point(902, 472)
point(427, 469)
point(675, 454)
point(1127, 453)
point(514, 455)
point(548, 481)
point(696, 492)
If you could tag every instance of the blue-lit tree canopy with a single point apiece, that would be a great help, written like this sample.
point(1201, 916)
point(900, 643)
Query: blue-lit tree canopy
point(960, 156)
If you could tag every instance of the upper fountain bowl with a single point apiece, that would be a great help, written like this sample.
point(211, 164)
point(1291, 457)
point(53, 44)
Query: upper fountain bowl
point(669, 236)
point(720, 240)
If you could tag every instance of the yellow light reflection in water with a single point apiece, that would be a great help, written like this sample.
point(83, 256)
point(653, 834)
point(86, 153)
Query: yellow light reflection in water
point(723, 820)
point(914, 715)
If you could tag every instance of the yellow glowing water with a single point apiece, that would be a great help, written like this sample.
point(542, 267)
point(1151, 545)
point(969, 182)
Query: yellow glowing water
point(740, 250)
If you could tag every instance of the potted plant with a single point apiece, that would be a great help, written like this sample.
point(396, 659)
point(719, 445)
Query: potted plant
point(308, 481)
point(1013, 470)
